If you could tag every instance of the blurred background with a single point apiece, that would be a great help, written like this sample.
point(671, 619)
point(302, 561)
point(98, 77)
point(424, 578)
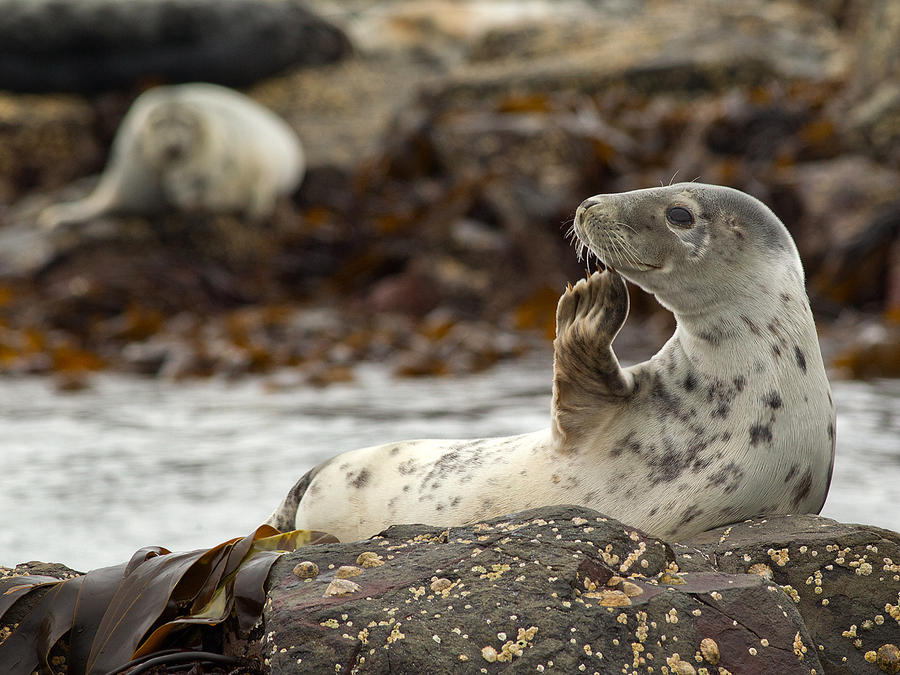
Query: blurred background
point(165, 380)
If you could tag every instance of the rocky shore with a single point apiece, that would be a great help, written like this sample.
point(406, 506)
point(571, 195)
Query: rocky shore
point(447, 153)
point(566, 589)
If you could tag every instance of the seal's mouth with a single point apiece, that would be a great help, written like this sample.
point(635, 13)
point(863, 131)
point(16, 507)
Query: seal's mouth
point(605, 243)
point(612, 249)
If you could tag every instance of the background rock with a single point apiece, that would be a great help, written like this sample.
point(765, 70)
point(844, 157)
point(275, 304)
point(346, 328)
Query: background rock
point(55, 45)
point(447, 156)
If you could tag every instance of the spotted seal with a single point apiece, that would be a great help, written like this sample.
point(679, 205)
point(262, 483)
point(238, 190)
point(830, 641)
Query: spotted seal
point(732, 418)
point(192, 147)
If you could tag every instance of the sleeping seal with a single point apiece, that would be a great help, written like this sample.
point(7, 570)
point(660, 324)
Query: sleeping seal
point(192, 147)
point(732, 418)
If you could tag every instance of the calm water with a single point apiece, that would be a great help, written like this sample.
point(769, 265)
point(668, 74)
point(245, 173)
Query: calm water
point(90, 477)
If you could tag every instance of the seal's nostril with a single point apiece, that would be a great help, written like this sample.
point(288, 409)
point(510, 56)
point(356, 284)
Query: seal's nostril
point(587, 203)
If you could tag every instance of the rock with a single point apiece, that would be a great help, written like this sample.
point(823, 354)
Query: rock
point(343, 111)
point(846, 222)
point(840, 279)
point(447, 156)
point(45, 142)
point(871, 348)
point(730, 44)
point(871, 103)
point(443, 31)
point(843, 579)
point(875, 122)
point(409, 292)
point(840, 198)
point(558, 587)
point(56, 45)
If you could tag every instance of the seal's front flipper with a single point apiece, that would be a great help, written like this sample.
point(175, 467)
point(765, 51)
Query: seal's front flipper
point(586, 372)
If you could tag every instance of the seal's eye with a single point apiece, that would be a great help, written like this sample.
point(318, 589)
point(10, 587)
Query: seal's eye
point(680, 216)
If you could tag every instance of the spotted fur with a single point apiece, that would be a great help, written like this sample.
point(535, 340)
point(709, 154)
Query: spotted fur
point(731, 418)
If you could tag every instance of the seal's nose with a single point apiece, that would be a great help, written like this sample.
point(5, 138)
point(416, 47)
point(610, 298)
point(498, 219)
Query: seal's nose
point(588, 203)
point(583, 207)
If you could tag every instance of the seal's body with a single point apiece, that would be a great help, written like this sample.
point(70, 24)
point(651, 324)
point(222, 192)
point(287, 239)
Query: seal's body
point(732, 418)
point(192, 147)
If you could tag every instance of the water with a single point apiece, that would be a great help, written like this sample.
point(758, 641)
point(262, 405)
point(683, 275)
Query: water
point(90, 477)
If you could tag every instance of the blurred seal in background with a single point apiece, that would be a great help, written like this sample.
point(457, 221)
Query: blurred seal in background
point(192, 147)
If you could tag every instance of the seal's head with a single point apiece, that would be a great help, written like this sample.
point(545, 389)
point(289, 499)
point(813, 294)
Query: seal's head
point(689, 244)
point(171, 134)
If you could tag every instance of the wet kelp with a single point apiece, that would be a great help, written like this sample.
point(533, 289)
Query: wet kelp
point(96, 622)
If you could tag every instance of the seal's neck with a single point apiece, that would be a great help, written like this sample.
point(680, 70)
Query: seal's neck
point(731, 336)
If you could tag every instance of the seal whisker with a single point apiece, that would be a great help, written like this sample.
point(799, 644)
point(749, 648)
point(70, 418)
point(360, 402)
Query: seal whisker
point(623, 250)
point(626, 250)
point(626, 225)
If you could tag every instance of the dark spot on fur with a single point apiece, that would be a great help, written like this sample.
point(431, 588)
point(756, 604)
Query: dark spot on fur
point(801, 359)
point(691, 513)
point(760, 433)
point(700, 463)
point(773, 400)
point(668, 404)
point(739, 383)
point(792, 472)
point(752, 326)
point(690, 382)
point(395, 450)
point(667, 464)
point(653, 511)
point(831, 431)
point(626, 443)
point(776, 350)
point(407, 467)
point(454, 501)
point(447, 462)
point(615, 482)
point(721, 411)
point(714, 336)
point(589, 496)
point(785, 298)
point(729, 478)
point(438, 507)
point(720, 396)
point(361, 479)
point(726, 436)
point(803, 488)
point(406, 488)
